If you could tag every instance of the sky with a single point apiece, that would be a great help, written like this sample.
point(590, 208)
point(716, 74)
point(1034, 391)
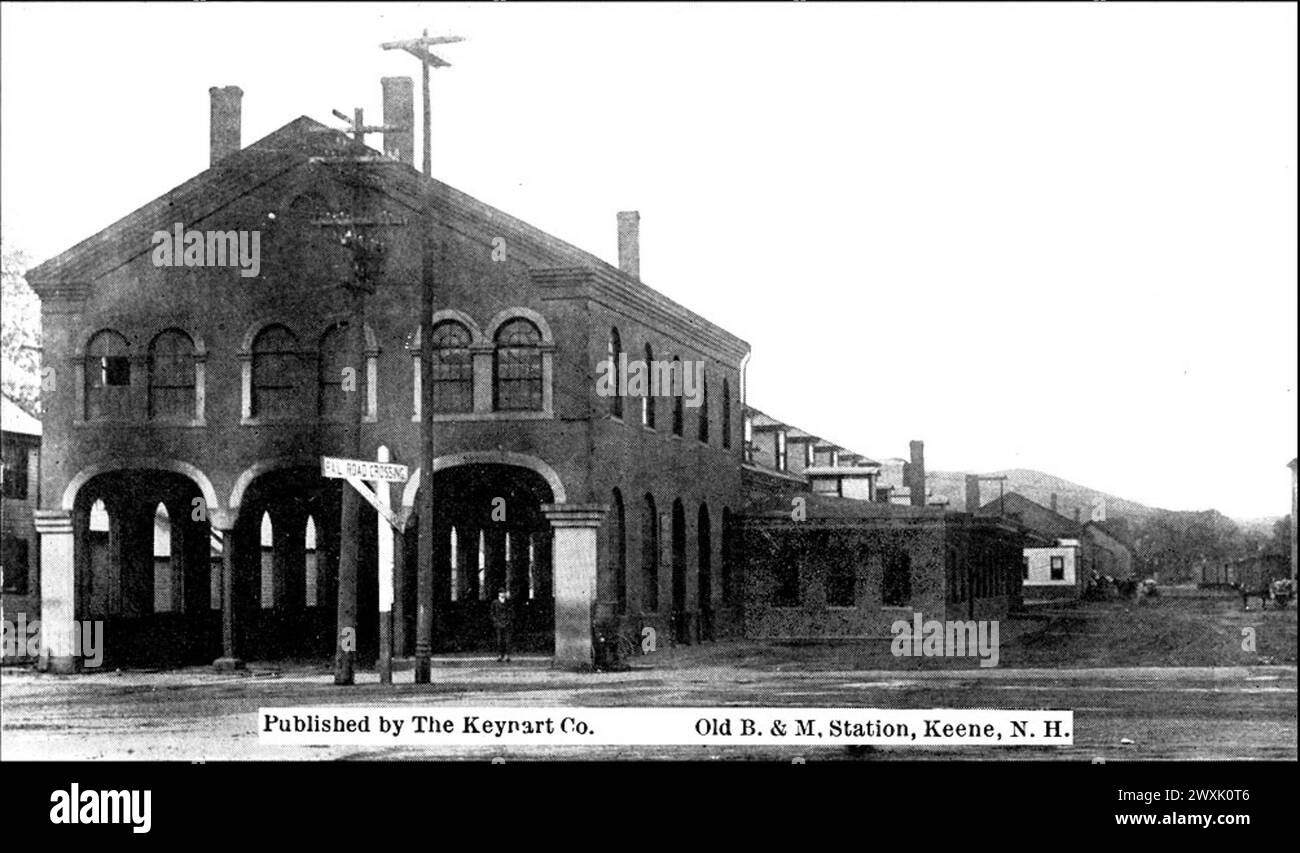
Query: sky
point(1057, 236)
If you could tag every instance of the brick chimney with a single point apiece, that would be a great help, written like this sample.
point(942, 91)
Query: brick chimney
point(224, 128)
point(914, 473)
point(1053, 501)
point(629, 243)
point(972, 493)
point(399, 111)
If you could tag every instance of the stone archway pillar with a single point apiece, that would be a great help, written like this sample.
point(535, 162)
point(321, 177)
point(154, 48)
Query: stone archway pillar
point(574, 553)
point(230, 603)
point(58, 651)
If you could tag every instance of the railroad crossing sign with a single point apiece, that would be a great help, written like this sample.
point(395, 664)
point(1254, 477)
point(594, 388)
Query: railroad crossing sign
point(381, 472)
point(362, 469)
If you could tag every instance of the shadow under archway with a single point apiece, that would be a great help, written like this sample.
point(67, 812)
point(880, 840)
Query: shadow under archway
point(488, 533)
point(151, 592)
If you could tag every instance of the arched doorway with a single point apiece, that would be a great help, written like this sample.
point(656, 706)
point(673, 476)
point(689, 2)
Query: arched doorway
point(287, 563)
point(140, 566)
point(488, 534)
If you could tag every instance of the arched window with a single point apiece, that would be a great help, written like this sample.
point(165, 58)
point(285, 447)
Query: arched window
point(277, 374)
point(726, 413)
point(728, 543)
point(704, 406)
point(676, 391)
point(649, 556)
point(678, 549)
point(532, 566)
point(267, 586)
point(108, 377)
point(647, 401)
point(455, 567)
point(704, 557)
point(517, 368)
point(615, 353)
point(337, 378)
point(481, 583)
point(103, 596)
point(162, 561)
point(171, 377)
point(453, 369)
point(98, 517)
point(310, 566)
point(618, 552)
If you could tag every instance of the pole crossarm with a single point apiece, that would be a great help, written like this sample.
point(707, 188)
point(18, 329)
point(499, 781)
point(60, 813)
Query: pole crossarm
point(418, 48)
point(422, 41)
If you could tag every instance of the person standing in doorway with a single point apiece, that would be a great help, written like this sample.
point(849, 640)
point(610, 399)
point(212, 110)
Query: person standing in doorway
point(503, 619)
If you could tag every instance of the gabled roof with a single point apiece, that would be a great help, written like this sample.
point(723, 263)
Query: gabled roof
point(207, 192)
point(1112, 530)
point(294, 146)
point(760, 420)
point(1034, 516)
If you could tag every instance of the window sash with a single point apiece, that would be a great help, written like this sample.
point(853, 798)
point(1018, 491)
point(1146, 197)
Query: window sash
point(518, 379)
point(453, 380)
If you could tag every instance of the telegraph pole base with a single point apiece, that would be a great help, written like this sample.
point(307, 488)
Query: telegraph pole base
point(385, 663)
point(343, 670)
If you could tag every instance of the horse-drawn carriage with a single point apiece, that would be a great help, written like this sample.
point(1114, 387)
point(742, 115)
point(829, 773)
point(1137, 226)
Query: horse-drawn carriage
point(1260, 579)
point(1102, 587)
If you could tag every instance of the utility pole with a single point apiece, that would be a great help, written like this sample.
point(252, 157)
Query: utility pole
point(419, 48)
point(367, 262)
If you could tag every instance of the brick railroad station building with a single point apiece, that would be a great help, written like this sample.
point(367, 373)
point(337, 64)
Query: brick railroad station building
point(182, 499)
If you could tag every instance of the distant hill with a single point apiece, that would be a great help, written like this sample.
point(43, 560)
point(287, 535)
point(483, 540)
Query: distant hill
point(1171, 543)
point(1039, 488)
point(1258, 525)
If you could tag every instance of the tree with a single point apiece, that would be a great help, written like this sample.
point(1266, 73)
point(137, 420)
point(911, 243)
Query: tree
point(1281, 543)
point(20, 334)
point(1177, 543)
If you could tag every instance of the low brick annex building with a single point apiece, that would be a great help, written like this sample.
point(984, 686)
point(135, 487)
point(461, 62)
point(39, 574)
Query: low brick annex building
point(818, 565)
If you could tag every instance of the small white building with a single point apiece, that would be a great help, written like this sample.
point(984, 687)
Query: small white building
point(1052, 572)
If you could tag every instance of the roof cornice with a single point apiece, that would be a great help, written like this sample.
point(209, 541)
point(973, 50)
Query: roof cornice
point(630, 297)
